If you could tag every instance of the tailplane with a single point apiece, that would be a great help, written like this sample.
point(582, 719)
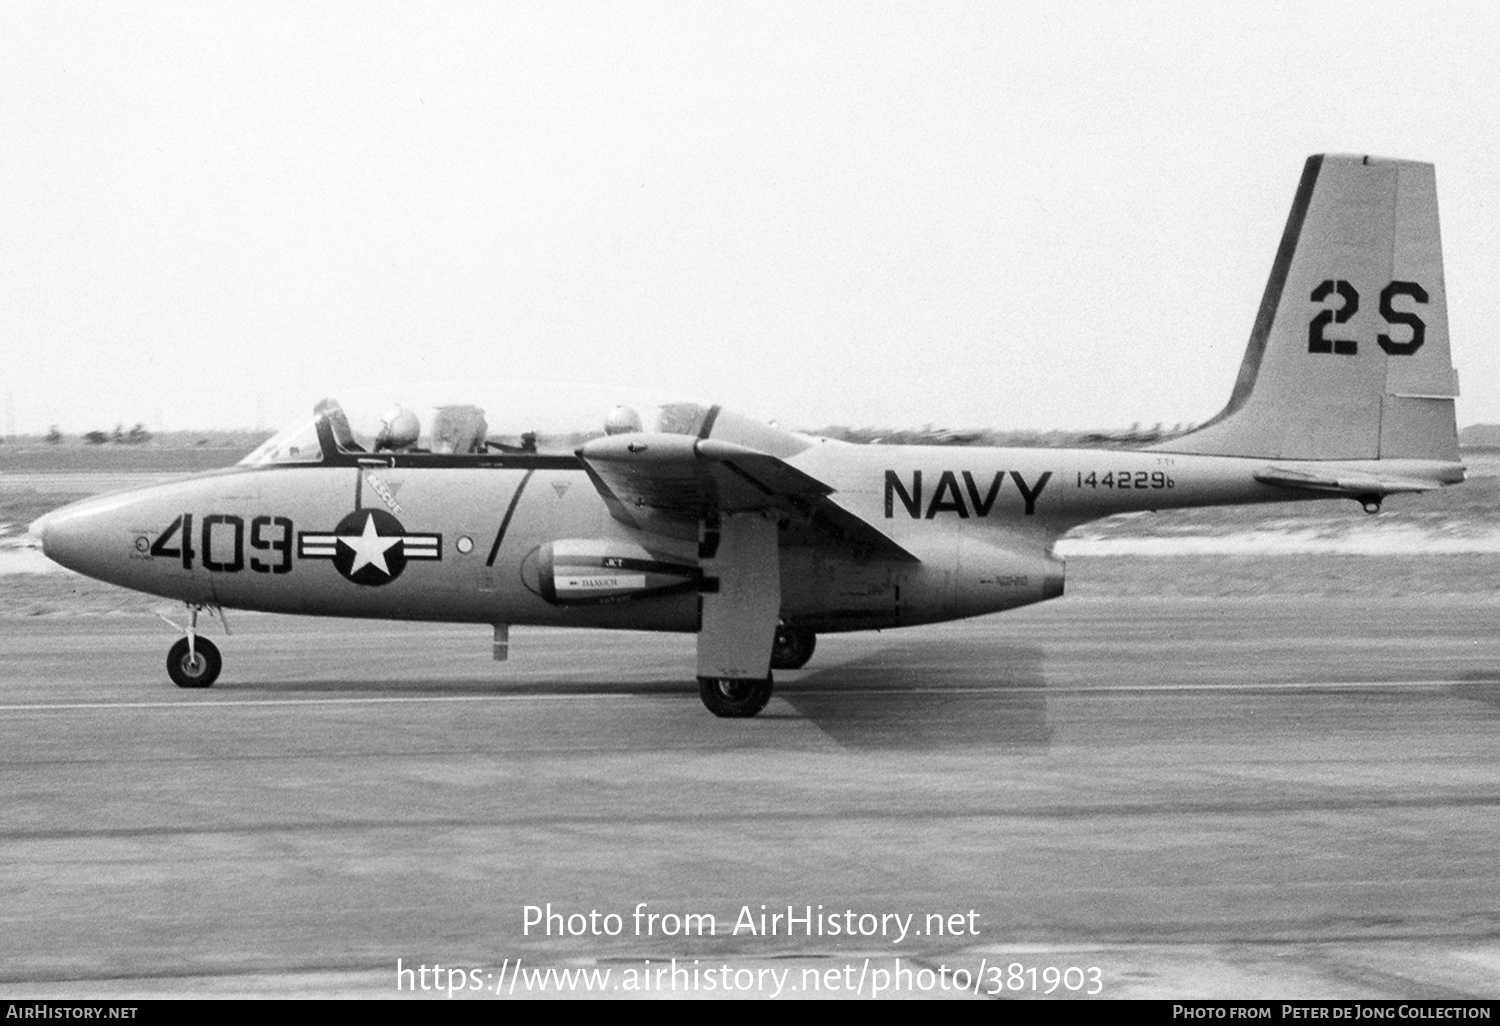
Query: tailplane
point(1348, 359)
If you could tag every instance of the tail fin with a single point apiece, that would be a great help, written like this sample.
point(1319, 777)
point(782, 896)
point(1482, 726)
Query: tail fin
point(1348, 359)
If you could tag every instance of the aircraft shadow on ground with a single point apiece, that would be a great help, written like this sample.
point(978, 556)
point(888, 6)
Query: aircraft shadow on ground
point(923, 696)
point(461, 687)
point(900, 697)
point(1480, 686)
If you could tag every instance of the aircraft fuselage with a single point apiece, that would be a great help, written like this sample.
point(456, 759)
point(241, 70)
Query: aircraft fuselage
point(530, 541)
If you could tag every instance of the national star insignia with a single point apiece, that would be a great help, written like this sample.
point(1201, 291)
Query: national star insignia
point(370, 547)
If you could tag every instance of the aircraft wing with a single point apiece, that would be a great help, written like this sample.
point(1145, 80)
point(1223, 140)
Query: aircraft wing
point(1352, 484)
point(655, 481)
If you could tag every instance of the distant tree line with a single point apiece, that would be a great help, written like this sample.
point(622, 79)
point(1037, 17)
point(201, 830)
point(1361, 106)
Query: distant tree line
point(135, 436)
point(222, 438)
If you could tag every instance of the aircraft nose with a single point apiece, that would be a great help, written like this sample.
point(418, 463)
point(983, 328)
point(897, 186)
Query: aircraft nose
point(110, 538)
point(62, 537)
point(86, 536)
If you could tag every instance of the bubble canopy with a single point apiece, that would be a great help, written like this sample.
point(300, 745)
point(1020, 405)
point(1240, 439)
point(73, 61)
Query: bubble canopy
point(510, 419)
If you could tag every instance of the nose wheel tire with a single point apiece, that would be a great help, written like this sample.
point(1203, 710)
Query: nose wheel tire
point(792, 648)
point(198, 670)
point(734, 698)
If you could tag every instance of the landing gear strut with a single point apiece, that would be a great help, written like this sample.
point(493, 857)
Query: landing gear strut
point(734, 698)
point(194, 662)
point(792, 648)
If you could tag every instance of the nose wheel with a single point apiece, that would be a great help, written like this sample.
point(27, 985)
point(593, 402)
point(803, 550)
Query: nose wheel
point(194, 662)
point(195, 666)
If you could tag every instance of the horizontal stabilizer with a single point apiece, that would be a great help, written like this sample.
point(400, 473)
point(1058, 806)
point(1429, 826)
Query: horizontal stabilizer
point(658, 482)
point(1352, 484)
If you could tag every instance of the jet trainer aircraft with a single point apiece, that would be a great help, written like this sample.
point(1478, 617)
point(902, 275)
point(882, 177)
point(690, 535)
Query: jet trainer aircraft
point(600, 507)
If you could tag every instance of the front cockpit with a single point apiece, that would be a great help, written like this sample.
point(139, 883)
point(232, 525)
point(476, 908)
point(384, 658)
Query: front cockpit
point(475, 424)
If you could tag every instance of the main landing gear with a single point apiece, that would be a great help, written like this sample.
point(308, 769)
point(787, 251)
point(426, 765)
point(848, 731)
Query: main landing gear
point(738, 698)
point(792, 648)
point(734, 698)
point(193, 662)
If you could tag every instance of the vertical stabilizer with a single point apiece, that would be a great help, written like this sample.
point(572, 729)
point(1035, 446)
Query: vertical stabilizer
point(1348, 358)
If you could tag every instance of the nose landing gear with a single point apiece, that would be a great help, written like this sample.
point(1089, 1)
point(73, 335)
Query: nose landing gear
point(194, 666)
point(194, 662)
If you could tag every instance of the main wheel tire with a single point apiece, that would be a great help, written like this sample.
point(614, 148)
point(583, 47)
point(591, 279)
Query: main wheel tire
point(188, 672)
point(792, 648)
point(734, 698)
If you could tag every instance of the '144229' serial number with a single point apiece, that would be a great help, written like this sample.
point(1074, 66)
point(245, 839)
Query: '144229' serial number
point(1126, 479)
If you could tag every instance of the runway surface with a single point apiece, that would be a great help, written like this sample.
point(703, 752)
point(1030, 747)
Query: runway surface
point(1200, 797)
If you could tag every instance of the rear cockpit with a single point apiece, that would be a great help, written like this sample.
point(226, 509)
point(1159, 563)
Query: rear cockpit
point(483, 425)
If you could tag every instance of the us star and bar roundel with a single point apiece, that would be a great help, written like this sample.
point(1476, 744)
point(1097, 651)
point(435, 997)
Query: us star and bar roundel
point(369, 547)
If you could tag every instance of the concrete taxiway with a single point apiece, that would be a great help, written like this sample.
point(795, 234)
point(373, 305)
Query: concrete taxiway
point(1201, 797)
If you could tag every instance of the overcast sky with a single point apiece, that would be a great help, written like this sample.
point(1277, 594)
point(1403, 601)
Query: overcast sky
point(990, 214)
